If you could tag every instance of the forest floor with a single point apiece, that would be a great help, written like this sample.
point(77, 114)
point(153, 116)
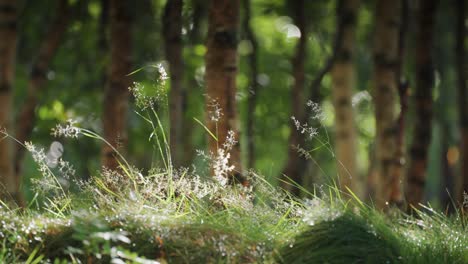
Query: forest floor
point(177, 216)
point(162, 219)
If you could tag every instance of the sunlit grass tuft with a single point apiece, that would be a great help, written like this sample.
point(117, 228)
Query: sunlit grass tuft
point(367, 236)
point(195, 222)
point(183, 216)
point(204, 224)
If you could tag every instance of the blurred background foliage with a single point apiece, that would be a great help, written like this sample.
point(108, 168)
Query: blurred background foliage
point(75, 81)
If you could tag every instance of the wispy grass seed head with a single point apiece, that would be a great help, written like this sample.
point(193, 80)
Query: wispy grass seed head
point(69, 130)
point(215, 112)
point(315, 114)
point(148, 95)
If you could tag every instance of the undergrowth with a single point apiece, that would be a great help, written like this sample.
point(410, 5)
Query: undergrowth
point(186, 219)
point(172, 215)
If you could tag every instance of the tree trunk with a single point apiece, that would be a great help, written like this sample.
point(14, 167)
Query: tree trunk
point(38, 78)
point(199, 13)
point(385, 83)
point(447, 170)
point(192, 87)
point(423, 104)
point(221, 70)
point(315, 95)
point(396, 195)
point(116, 92)
point(343, 82)
point(8, 36)
point(103, 43)
point(172, 30)
point(462, 72)
point(253, 84)
point(294, 167)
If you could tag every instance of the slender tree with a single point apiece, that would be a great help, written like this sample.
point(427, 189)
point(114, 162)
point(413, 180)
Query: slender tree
point(385, 84)
point(316, 96)
point(294, 167)
point(343, 82)
point(103, 43)
point(199, 16)
point(172, 30)
point(443, 119)
point(447, 169)
point(422, 102)
point(253, 84)
point(396, 193)
point(8, 38)
point(37, 78)
point(192, 88)
point(116, 92)
point(220, 77)
point(462, 72)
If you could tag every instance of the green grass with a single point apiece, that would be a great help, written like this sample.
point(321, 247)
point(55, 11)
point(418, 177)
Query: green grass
point(369, 237)
point(179, 220)
point(177, 216)
point(225, 226)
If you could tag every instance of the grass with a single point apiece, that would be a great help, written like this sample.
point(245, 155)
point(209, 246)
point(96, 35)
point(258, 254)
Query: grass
point(199, 223)
point(369, 237)
point(179, 216)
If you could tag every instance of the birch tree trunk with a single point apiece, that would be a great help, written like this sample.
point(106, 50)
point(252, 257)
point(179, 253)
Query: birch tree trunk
point(8, 39)
point(220, 77)
point(102, 41)
point(193, 88)
point(37, 79)
point(294, 167)
point(447, 170)
point(116, 91)
point(343, 82)
point(385, 94)
point(462, 73)
point(396, 192)
point(423, 104)
point(253, 84)
point(172, 30)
